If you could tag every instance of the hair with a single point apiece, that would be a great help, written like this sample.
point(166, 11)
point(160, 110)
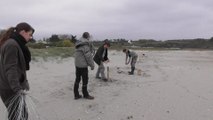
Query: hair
point(86, 35)
point(124, 50)
point(19, 27)
point(106, 42)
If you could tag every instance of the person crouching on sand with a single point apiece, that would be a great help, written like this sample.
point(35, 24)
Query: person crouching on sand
point(131, 56)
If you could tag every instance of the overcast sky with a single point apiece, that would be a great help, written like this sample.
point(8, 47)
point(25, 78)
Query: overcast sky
point(128, 19)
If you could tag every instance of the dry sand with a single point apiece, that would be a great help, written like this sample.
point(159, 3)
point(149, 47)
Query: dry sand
point(173, 85)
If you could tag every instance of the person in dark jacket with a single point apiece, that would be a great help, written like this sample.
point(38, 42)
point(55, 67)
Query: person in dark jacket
point(101, 57)
point(131, 56)
point(83, 59)
point(14, 62)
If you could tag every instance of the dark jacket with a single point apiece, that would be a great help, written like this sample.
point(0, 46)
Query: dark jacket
point(99, 55)
point(12, 67)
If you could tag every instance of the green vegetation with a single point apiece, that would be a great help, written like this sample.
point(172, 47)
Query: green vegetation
point(52, 52)
point(156, 45)
point(64, 43)
point(62, 46)
point(65, 48)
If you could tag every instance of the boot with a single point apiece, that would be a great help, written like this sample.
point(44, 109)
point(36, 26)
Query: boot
point(84, 90)
point(86, 94)
point(89, 97)
point(78, 97)
point(132, 71)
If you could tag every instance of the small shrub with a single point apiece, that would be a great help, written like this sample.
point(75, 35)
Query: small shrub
point(67, 43)
point(36, 45)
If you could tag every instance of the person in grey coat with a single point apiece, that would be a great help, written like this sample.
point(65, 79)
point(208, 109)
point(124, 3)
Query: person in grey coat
point(14, 62)
point(83, 59)
point(131, 56)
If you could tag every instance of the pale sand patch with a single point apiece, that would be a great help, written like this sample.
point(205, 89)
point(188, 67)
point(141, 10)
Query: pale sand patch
point(173, 85)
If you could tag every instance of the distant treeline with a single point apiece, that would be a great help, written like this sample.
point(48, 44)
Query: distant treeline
point(173, 44)
point(187, 43)
point(68, 41)
point(142, 43)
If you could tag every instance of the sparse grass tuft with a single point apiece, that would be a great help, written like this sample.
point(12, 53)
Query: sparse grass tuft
point(52, 52)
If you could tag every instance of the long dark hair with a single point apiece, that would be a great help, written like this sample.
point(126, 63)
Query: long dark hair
point(19, 27)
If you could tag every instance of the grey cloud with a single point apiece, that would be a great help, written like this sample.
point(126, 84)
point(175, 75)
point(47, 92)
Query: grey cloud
point(157, 19)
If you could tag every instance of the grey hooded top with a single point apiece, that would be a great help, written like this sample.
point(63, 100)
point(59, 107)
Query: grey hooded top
point(84, 53)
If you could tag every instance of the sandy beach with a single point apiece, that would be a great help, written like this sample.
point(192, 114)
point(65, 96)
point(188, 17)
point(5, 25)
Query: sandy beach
point(173, 85)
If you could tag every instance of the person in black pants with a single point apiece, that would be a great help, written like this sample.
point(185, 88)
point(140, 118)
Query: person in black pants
point(83, 59)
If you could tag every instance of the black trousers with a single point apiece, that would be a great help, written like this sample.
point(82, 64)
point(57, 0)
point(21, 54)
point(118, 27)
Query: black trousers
point(12, 107)
point(81, 73)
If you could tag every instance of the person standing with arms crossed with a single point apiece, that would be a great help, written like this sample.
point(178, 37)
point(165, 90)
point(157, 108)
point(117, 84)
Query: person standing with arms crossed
point(83, 59)
point(14, 62)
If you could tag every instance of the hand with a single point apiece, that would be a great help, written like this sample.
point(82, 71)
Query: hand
point(21, 92)
point(106, 61)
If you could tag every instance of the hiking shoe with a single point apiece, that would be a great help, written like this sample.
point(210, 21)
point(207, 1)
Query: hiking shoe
point(78, 97)
point(89, 97)
point(131, 73)
point(98, 77)
point(105, 80)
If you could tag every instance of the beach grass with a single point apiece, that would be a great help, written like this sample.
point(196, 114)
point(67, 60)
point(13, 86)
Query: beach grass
point(52, 52)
